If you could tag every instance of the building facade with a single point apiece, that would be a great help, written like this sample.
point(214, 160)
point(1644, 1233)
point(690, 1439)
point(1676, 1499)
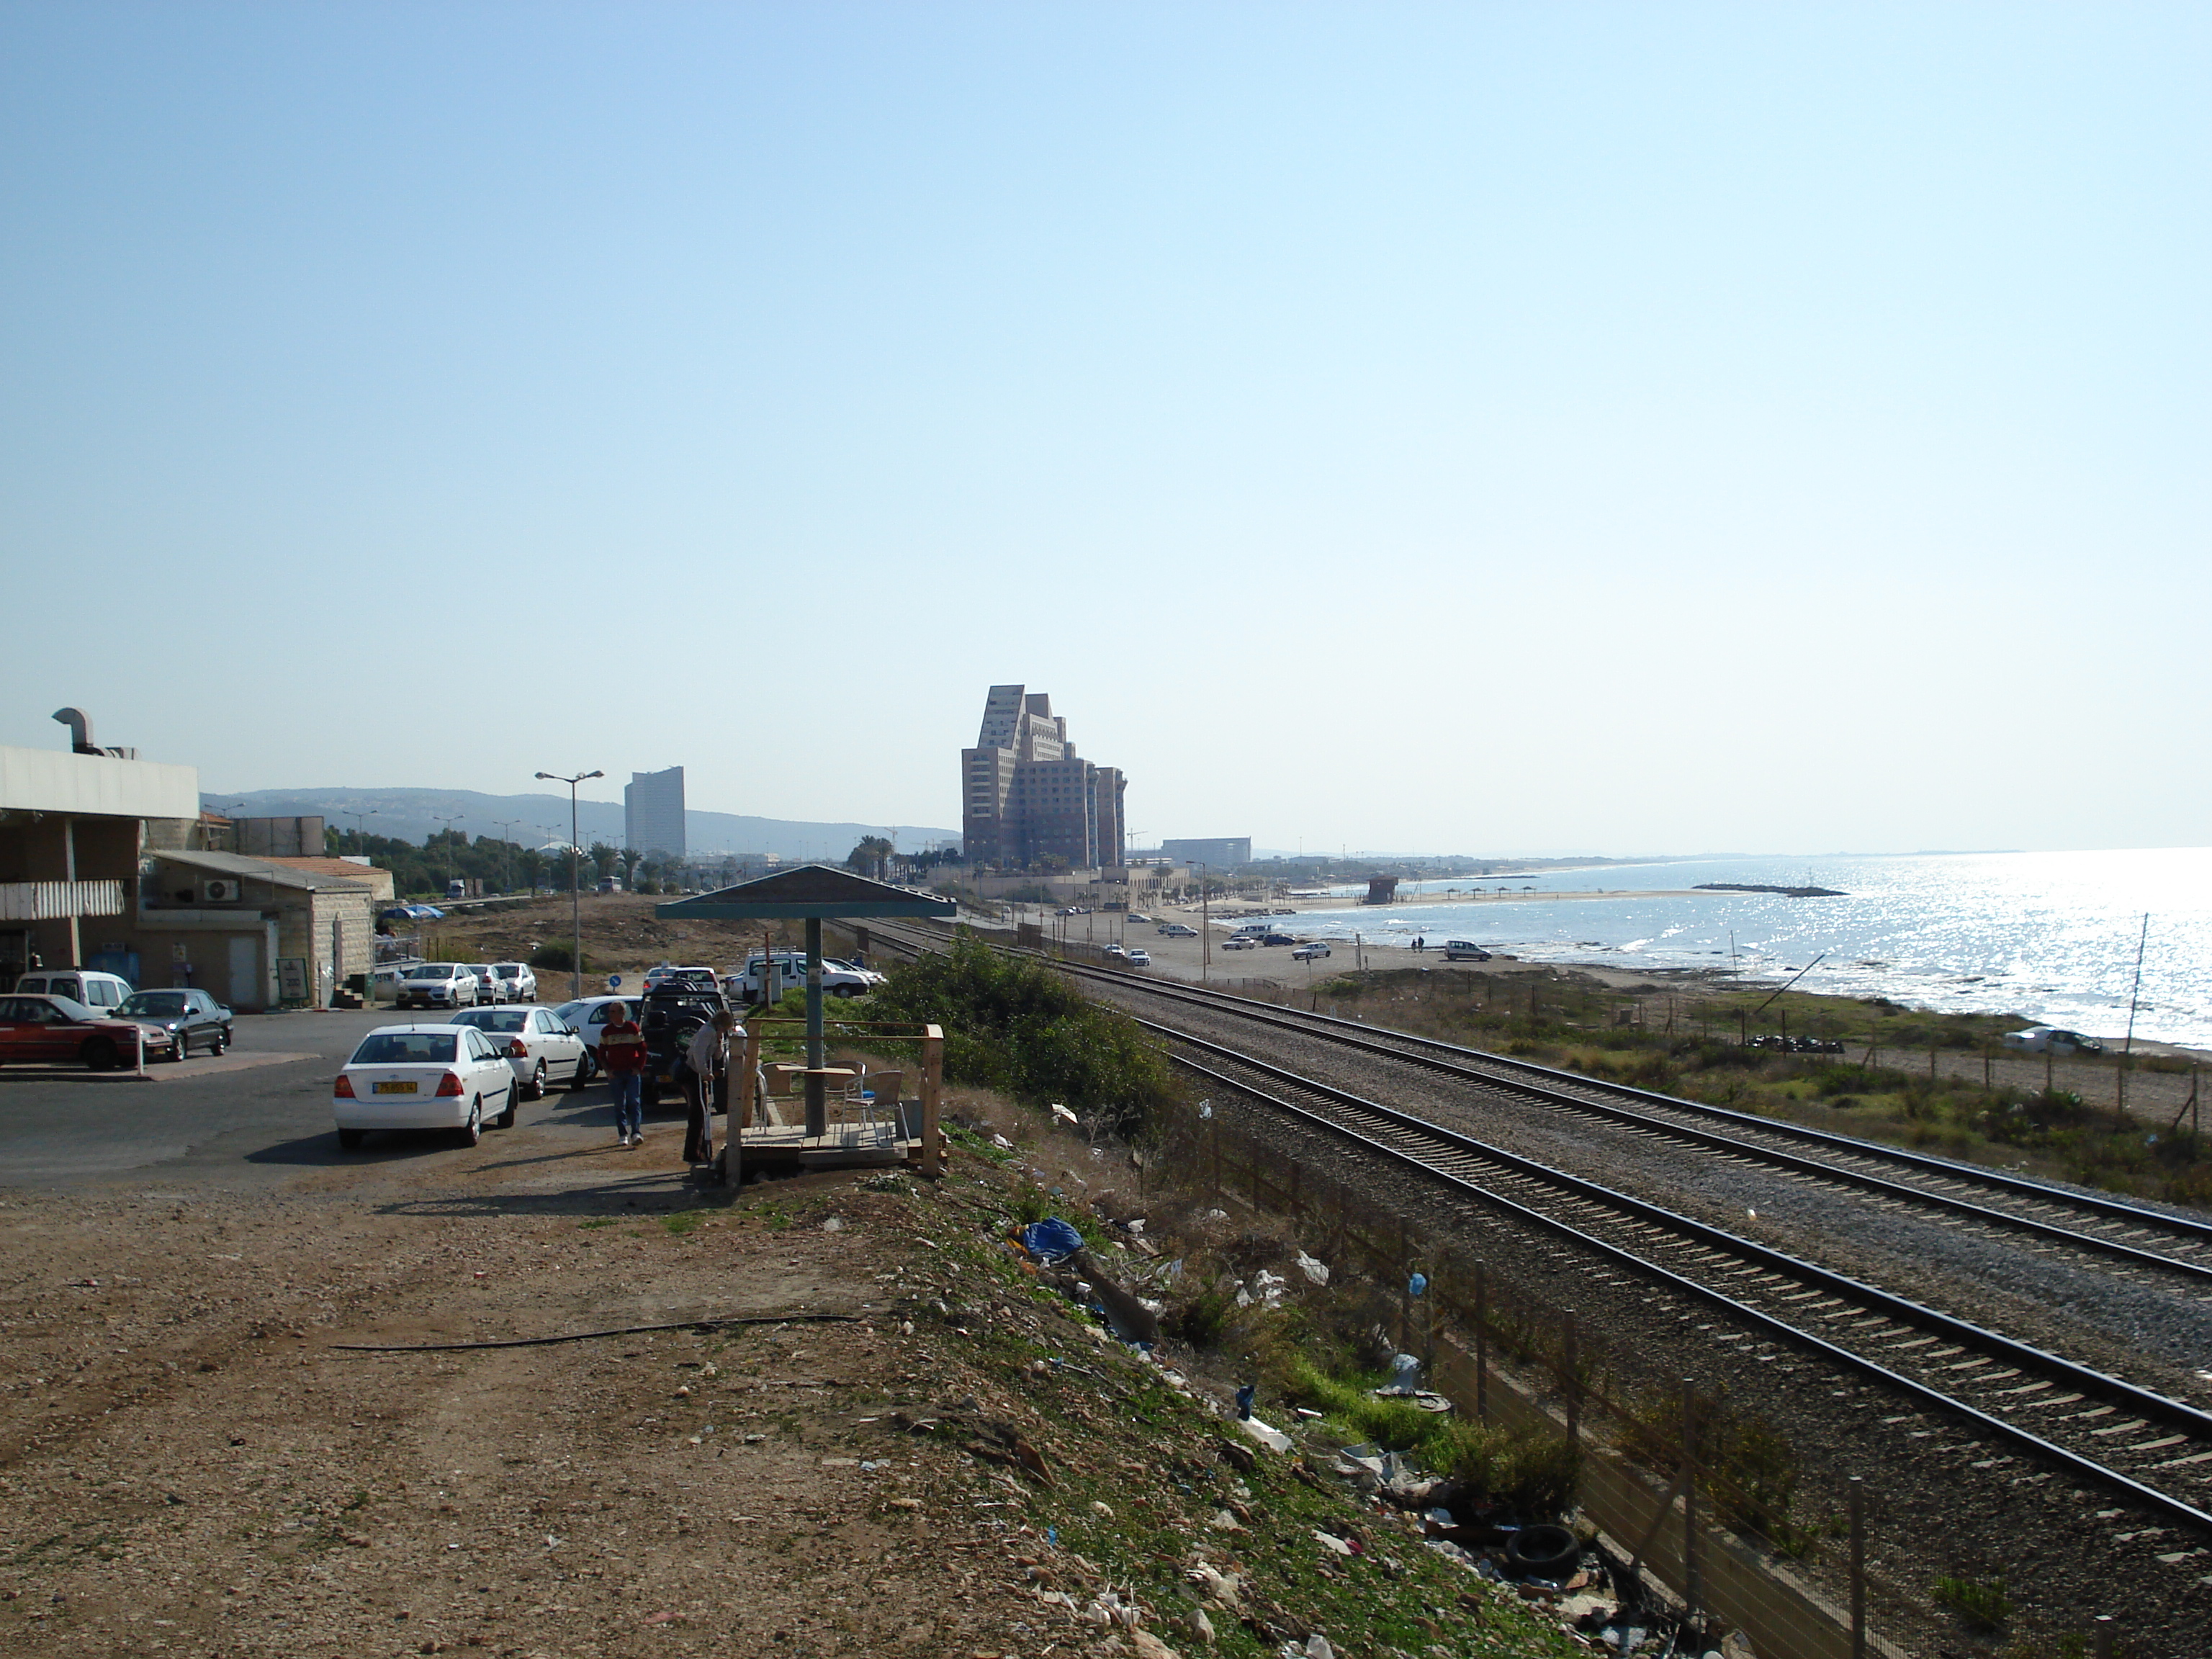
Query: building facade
point(1027, 797)
point(652, 813)
point(1215, 852)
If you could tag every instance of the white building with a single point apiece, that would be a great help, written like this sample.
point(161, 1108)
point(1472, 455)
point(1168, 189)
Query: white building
point(652, 813)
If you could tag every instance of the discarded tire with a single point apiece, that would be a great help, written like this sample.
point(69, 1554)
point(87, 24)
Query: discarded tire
point(1543, 1552)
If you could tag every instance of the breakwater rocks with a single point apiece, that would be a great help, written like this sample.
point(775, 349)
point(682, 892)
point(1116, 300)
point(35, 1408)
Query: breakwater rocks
point(1754, 887)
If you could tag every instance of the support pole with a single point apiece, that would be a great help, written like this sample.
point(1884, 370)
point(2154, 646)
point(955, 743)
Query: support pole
point(1691, 1591)
point(1858, 1568)
point(1571, 1364)
point(932, 1082)
point(1481, 1340)
point(817, 1101)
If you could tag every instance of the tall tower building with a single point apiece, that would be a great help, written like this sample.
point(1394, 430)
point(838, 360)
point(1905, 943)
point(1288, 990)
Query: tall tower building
point(1026, 795)
point(652, 813)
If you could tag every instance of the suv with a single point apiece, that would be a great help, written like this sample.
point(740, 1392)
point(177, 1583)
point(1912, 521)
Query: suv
point(668, 1017)
point(1456, 950)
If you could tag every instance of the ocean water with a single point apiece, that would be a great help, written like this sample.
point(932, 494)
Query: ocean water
point(2051, 936)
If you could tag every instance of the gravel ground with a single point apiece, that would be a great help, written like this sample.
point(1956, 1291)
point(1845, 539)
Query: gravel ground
point(1965, 1506)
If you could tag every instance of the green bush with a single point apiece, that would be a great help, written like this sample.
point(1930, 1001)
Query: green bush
point(560, 958)
point(1013, 1025)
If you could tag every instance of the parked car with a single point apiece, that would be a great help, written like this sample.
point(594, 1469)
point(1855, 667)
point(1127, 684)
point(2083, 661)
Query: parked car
point(2040, 1039)
point(194, 1019)
point(437, 984)
point(588, 1017)
point(1176, 930)
point(98, 992)
point(1307, 951)
point(1139, 915)
point(424, 1077)
point(1140, 959)
point(1277, 938)
point(488, 987)
point(843, 966)
point(705, 978)
point(1241, 942)
point(1463, 950)
point(1115, 951)
point(61, 1029)
point(837, 980)
point(516, 982)
point(540, 1046)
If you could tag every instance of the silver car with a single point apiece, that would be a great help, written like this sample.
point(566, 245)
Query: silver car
point(537, 1044)
point(437, 984)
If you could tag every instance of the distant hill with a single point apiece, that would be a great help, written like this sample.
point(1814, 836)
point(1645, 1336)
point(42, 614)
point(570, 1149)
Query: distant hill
point(411, 814)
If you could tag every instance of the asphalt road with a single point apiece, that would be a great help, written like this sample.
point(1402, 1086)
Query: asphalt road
point(251, 1119)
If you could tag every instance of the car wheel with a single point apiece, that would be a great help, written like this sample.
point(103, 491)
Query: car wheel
point(222, 1042)
point(351, 1139)
point(178, 1050)
point(99, 1054)
point(535, 1089)
point(581, 1077)
point(473, 1131)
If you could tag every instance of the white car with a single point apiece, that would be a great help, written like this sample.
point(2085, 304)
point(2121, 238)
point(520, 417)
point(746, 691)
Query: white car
point(437, 984)
point(516, 982)
point(538, 1044)
point(2039, 1039)
point(1140, 959)
point(1309, 950)
point(1176, 930)
point(1241, 942)
point(845, 967)
point(424, 1077)
point(744, 987)
point(488, 987)
point(1115, 951)
point(588, 1017)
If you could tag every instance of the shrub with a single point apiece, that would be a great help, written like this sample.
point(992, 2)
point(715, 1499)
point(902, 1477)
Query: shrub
point(1013, 1025)
point(1980, 1601)
point(560, 957)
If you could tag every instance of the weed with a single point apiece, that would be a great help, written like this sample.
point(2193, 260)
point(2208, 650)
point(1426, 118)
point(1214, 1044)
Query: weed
point(1980, 1601)
point(596, 1221)
point(684, 1221)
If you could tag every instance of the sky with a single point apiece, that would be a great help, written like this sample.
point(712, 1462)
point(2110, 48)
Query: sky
point(1483, 429)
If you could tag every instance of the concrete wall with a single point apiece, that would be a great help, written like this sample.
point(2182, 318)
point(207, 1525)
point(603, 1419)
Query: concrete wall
point(96, 786)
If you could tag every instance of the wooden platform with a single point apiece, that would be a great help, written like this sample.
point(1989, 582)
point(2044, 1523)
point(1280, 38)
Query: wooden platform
point(783, 1143)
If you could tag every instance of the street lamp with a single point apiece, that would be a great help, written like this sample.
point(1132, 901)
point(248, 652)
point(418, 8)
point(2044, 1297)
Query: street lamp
point(506, 857)
point(575, 875)
point(360, 834)
point(437, 818)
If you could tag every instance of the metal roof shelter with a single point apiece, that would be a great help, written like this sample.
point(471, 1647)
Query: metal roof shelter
point(811, 893)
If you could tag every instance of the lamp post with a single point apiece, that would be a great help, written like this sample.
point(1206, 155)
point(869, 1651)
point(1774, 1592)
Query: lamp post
point(360, 834)
point(439, 817)
point(506, 857)
point(575, 877)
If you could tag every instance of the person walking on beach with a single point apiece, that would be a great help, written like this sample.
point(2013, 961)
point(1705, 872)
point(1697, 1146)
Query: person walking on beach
point(622, 1053)
point(706, 1062)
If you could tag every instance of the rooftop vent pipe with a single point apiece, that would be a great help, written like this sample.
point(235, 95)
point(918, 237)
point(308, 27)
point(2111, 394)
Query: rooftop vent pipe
point(80, 726)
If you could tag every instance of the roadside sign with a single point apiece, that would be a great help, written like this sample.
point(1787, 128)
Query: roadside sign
point(614, 982)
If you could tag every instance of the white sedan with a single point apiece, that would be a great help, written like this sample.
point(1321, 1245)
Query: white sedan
point(516, 982)
point(424, 1077)
point(539, 1046)
point(436, 984)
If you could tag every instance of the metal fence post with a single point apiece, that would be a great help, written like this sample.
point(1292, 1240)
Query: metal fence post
point(1858, 1568)
point(1573, 1379)
point(2101, 1636)
point(1481, 1340)
point(1691, 1596)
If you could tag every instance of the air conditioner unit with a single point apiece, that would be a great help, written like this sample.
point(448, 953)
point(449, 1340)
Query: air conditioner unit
point(219, 892)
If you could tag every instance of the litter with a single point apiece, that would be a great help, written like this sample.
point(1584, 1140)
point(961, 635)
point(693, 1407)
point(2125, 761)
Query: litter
point(1404, 1374)
point(1051, 1240)
point(1315, 1272)
point(1136, 1226)
point(1417, 1284)
point(1272, 1438)
point(1061, 1113)
point(1215, 1215)
point(1002, 1143)
point(1245, 1396)
point(833, 1225)
point(1331, 1541)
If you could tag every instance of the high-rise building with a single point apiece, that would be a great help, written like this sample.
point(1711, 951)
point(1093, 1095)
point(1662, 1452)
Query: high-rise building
point(1025, 795)
point(652, 813)
point(1219, 852)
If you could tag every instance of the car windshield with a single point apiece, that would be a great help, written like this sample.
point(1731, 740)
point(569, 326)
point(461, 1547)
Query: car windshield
point(497, 1019)
point(156, 1003)
point(507, 970)
point(405, 1048)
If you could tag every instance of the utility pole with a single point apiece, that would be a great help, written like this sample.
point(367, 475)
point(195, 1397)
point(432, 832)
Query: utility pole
point(1204, 929)
point(360, 832)
point(507, 859)
point(575, 877)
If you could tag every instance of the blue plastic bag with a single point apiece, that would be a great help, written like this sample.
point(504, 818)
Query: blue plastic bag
point(1051, 1240)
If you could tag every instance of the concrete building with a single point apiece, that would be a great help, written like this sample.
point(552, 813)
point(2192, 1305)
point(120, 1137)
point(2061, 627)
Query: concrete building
point(255, 933)
point(652, 813)
point(1215, 852)
point(1026, 796)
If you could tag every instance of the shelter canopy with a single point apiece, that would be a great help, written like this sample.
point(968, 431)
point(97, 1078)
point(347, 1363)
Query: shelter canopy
point(811, 892)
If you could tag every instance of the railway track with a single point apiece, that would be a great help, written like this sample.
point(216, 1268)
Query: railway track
point(2147, 1446)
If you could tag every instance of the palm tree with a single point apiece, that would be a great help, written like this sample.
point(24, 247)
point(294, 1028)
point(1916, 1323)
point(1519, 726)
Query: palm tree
point(870, 858)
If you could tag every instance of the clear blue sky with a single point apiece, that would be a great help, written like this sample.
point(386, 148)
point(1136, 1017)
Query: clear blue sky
point(1544, 427)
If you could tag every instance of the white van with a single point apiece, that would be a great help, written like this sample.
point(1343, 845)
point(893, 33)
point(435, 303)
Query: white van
point(97, 991)
point(1464, 950)
point(791, 974)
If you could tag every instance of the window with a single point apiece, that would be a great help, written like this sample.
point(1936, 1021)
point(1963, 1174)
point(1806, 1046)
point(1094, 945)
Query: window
point(405, 1048)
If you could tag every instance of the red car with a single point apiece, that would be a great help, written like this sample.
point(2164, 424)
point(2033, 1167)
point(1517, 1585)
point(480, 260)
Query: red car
point(59, 1029)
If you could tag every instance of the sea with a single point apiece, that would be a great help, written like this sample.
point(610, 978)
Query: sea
point(2052, 937)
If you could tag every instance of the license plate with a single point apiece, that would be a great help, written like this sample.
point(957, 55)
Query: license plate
point(395, 1088)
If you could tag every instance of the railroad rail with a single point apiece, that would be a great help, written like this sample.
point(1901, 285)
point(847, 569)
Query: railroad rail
point(1922, 1354)
point(2108, 1227)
